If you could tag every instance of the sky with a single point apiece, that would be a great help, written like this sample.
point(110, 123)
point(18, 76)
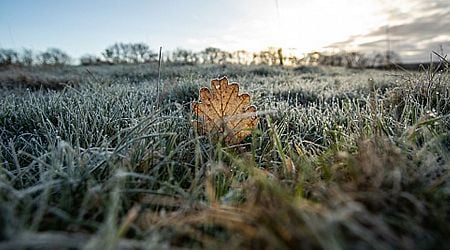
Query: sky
point(412, 28)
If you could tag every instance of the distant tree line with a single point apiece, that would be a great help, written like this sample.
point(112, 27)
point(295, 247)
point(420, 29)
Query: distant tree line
point(27, 57)
point(354, 59)
point(135, 53)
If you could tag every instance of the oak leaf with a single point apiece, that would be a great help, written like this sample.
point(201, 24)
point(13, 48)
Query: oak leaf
point(223, 112)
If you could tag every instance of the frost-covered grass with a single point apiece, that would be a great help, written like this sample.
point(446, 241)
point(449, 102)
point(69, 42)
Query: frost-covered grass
point(96, 164)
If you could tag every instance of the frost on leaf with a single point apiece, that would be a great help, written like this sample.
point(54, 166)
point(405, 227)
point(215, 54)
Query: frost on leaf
point(223, 112)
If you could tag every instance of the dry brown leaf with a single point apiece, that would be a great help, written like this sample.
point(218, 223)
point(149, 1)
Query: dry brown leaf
point(224, 112)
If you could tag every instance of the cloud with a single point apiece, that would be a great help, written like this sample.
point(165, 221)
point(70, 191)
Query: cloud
point(414, 30)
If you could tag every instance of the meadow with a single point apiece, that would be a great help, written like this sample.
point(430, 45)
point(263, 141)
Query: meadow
point(90, 159)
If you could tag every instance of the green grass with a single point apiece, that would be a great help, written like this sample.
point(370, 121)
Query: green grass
point(94, 164)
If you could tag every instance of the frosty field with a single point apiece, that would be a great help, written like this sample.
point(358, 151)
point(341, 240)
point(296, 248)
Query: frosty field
point(89, 159)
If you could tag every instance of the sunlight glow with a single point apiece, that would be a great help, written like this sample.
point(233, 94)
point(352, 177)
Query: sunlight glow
point(304, 25)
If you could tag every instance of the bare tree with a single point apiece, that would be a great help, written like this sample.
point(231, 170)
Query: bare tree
point(183, 56)
point(224, 57)
point(241, 56)
point(108, 54)
point(128, 53)
point(113, 54)
point(211, 55)
point(54, 56)
point(27, 57)
point(8, 57)
point(143, 52)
